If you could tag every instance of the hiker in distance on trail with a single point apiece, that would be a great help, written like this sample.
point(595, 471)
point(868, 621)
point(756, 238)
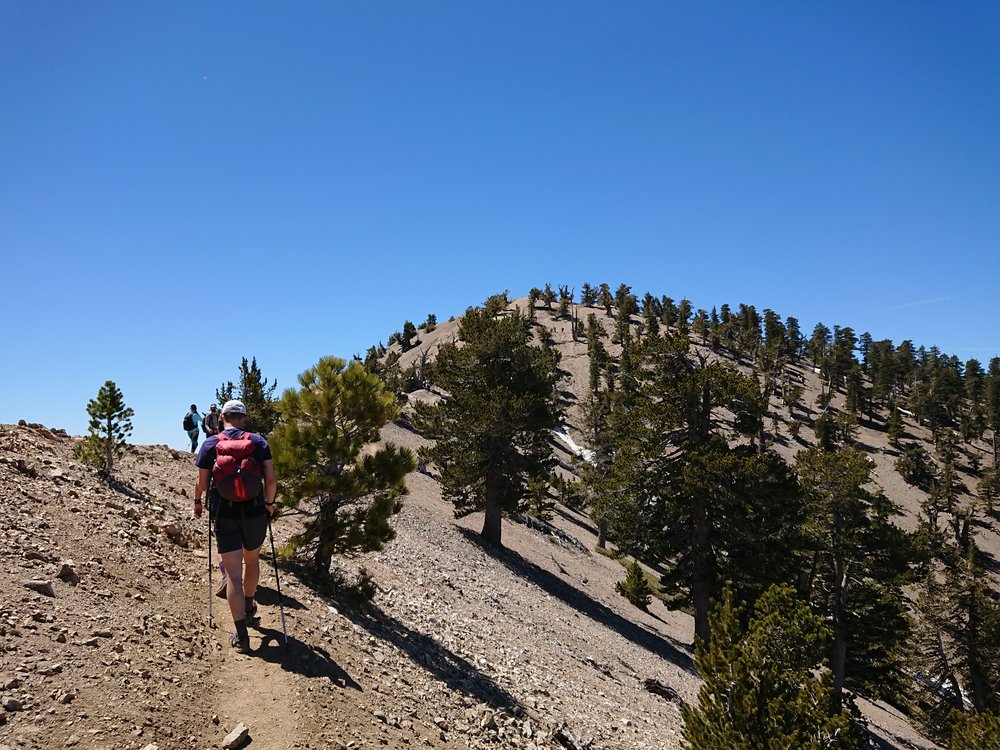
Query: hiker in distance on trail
point(211, 421)
point(236, 470)
point(192, 421)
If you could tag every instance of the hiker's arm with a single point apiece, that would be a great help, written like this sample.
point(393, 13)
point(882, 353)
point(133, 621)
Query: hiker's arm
point(270, 486)
point(200, 489)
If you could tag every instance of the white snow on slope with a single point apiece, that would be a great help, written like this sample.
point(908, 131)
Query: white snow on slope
point(585, 453)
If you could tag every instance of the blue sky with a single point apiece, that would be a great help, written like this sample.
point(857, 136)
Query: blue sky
point(184, 184)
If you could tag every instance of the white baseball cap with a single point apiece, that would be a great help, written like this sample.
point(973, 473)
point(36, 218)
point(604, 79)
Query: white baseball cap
point(234, 407)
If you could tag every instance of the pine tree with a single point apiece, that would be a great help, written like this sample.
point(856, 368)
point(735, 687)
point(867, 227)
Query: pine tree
point(324, 454)
point(409, 333)
point(108, 431)
point(605, 299)
point(860, 560)
point(958, 649)
point(979, 732)
point(763, 687)
point(257, 395)
point(992, 405)
point(539, 503)
point(916, 467)
point(548, 295)
point(492, 429)
point(701, 507)
point(895, 428)
point(635, 587)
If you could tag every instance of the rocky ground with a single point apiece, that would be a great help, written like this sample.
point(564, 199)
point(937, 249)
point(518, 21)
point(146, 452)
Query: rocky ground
point(105, 641)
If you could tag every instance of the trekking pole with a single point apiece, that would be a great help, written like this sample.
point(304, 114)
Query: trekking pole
point(210, 622)
point(274, 559)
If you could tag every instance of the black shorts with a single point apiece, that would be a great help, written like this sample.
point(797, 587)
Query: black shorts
point(242, 526)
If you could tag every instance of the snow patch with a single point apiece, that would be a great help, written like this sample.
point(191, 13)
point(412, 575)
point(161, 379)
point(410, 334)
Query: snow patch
point(585, 453)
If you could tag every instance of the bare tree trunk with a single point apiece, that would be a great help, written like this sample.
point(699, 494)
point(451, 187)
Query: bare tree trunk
point(494, 513)
point(109, 447)
point(839, 665)
point(602, 532)
point(701, 582)
point(977, 677)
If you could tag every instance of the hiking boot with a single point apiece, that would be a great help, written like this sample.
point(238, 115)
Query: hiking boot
point(251, 610)
point(240, 644)
point(221, 593)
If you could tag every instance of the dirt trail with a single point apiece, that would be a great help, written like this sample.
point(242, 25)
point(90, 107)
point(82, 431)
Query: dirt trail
point(256, 690)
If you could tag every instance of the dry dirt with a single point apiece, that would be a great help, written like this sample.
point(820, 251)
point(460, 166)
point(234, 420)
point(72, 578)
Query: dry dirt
point(466, 648)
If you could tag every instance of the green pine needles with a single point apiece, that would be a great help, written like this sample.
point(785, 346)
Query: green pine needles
point(109, 429)
point(328, 466)
point(635, 587)
point(257, 395)
point(492, 429)
point(764, 687)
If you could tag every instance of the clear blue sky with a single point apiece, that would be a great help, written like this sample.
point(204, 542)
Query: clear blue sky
point(183, 184)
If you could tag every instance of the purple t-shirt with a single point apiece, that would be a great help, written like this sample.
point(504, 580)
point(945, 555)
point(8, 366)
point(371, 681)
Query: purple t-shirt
point(206, 456)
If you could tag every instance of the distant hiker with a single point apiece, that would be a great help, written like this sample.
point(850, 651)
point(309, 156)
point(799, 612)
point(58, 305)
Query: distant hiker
point(211, 421)
point(236, 469)
point(192, 421)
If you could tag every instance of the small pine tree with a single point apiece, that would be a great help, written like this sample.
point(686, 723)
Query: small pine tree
point(109, 428)
point(548, 295)
point(635, 587)
point(409, 333)
point(917, 468)
point(895, 427)
point(825, 428)
point(257, 395)
point(540, 504)
point(323, 452)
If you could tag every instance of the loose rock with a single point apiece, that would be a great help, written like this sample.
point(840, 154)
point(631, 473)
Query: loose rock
point(42, 587)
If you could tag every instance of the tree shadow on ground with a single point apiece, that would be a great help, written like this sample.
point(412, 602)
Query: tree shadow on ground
point(655, 643)
point(574, 519)
point(989, 562)
point(269, 597)
point(119, 484)
point(301, 658)
point(779, 439)
point(428, 654)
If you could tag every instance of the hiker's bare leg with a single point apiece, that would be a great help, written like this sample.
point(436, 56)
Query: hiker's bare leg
point(251, 575)
point(234, 591)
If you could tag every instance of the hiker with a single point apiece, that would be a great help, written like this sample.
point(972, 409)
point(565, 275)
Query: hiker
point(192, 421)
point(211, 421)
point(240, 506)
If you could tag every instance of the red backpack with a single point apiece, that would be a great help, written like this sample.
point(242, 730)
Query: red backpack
point(236, 474)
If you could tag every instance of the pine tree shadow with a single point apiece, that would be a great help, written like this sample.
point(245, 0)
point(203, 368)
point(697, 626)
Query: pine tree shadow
point(269, 597)
point(572, 517)
point(425, 652)
point(123, 486)
point(988, 561)
point(301, 658)
point(551, 584)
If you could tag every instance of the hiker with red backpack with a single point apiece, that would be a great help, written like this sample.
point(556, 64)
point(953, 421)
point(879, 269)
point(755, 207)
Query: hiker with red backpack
point(236, 470)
